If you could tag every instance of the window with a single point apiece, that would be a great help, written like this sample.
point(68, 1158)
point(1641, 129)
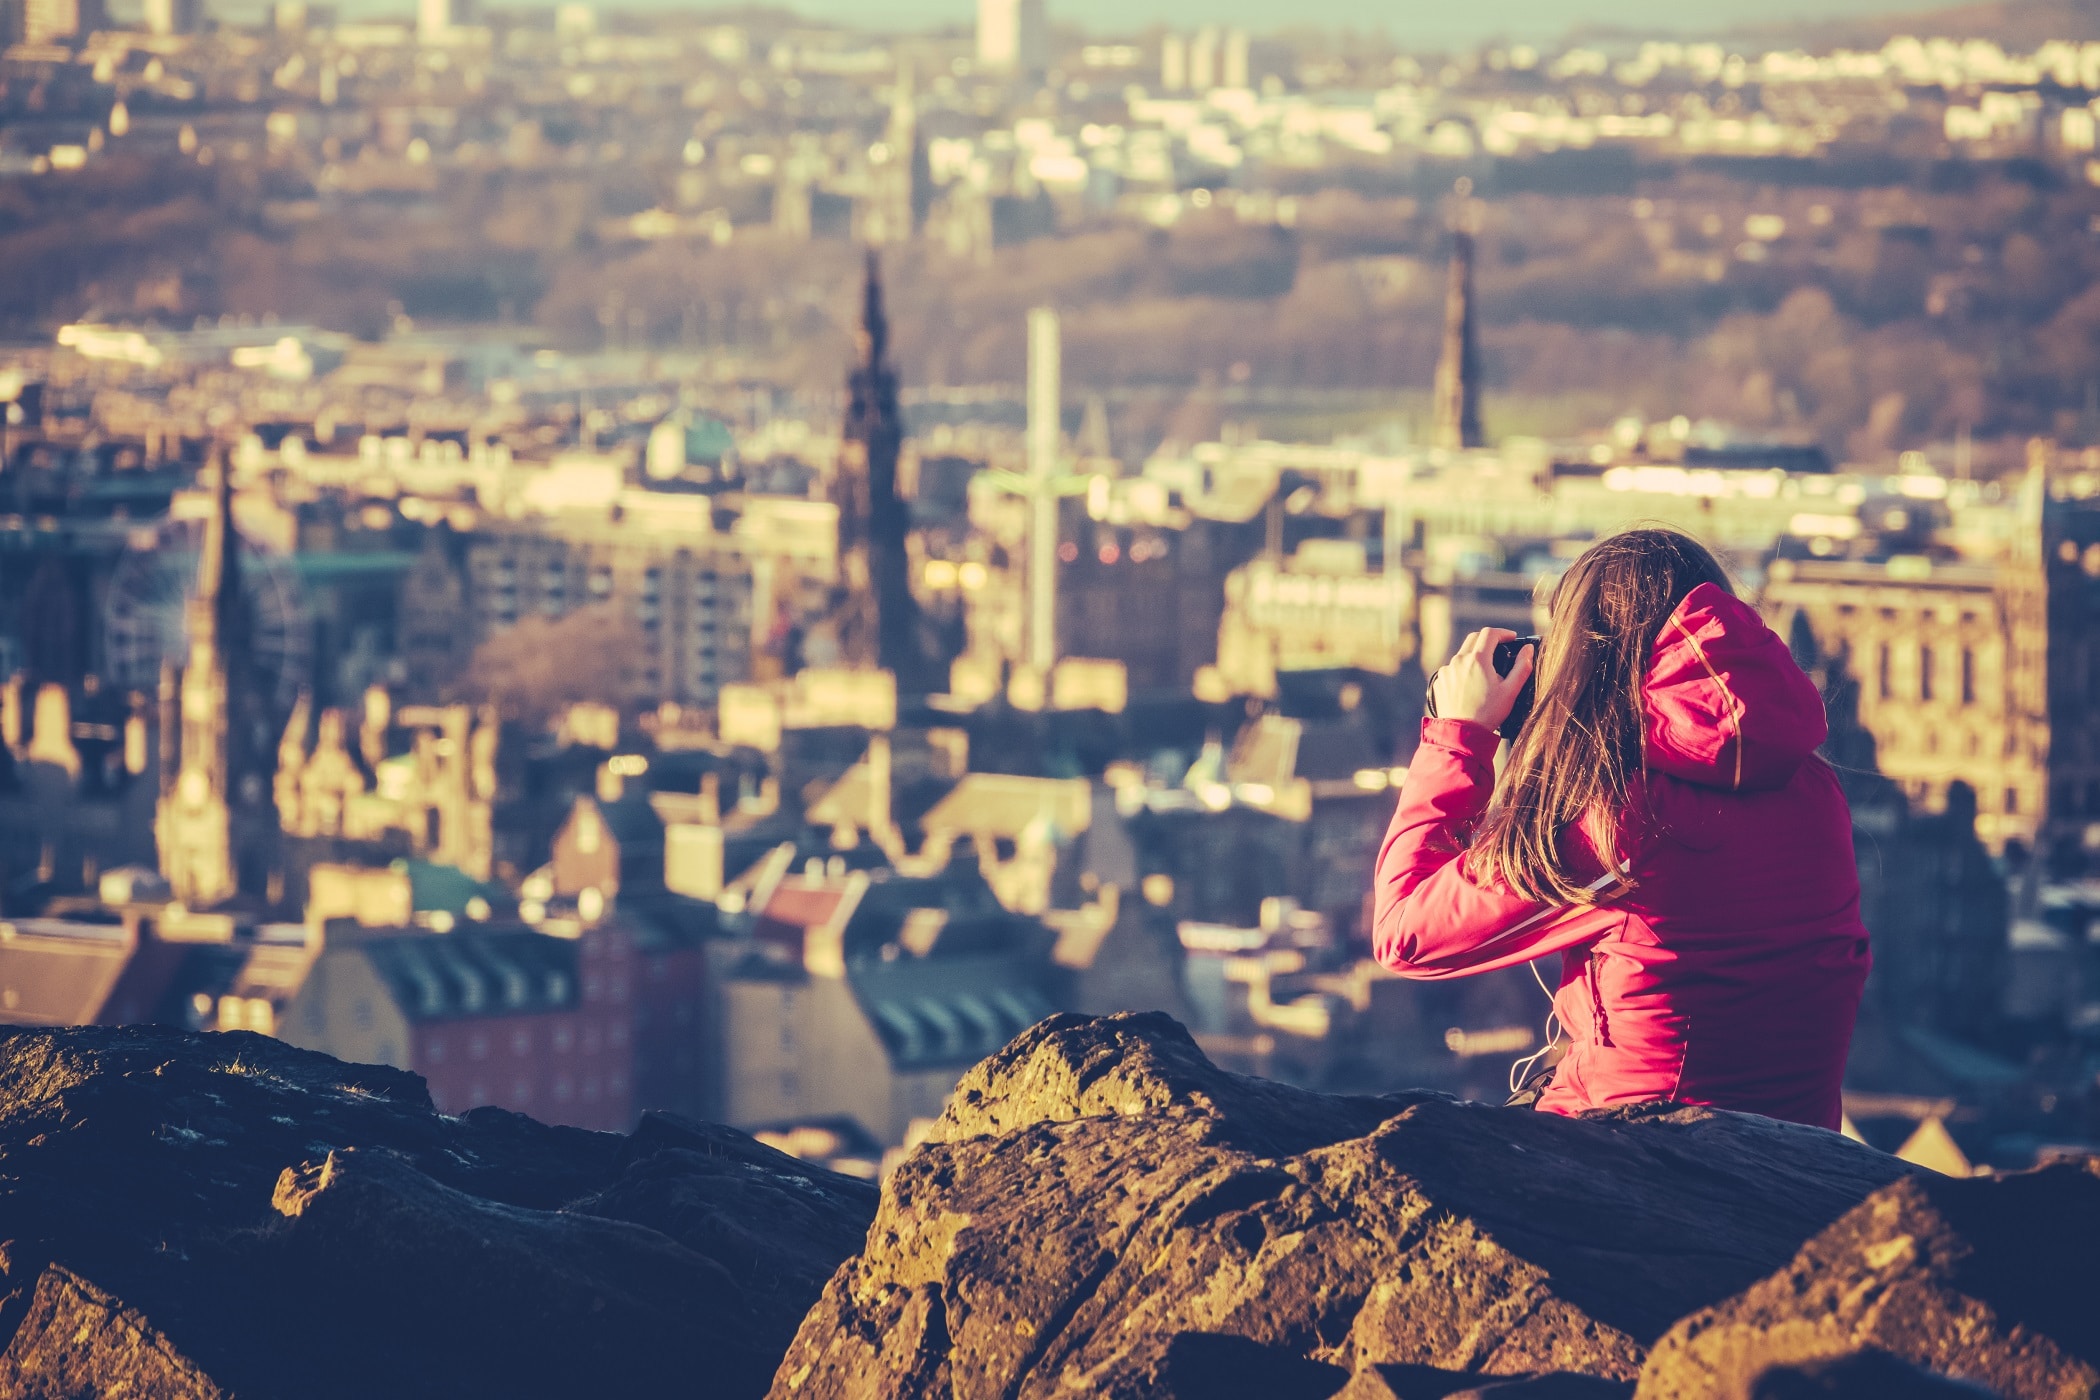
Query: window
point(2012, 802)
point(1968, 676)
point(1881, 672)
point(1925, 668)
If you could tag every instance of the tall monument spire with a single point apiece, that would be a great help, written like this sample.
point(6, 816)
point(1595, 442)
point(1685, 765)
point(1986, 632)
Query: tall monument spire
point(874, 520)
point(1456, 423)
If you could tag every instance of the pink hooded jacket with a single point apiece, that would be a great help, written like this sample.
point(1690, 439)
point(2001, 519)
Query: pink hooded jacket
point(1731, 973)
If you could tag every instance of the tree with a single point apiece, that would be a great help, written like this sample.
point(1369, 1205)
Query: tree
point(537, 667)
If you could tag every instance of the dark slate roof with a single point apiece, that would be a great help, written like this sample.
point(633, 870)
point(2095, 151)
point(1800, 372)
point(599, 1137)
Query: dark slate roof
point(664, 922)
point(451, 976)
point(942, 1011)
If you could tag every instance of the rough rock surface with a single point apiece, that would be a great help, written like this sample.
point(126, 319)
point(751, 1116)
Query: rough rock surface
point(1859, 1375)
point(215, 1215)
point(1101, 1211)
point(1991, 1281)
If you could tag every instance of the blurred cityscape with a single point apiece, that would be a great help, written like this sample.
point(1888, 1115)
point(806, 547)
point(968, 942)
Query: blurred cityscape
point(635, 562)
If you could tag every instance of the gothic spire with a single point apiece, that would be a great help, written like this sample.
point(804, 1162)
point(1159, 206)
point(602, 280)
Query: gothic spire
point(193, 824)
point(881, 620)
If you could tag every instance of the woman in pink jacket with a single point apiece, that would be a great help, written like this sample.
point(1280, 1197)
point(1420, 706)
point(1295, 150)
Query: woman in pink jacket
point(1662, 823)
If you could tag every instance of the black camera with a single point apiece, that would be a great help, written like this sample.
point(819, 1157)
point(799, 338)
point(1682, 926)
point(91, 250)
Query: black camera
point(1506, 657)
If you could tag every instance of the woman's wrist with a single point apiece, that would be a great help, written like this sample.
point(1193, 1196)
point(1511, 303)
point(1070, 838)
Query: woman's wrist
point(1467, 735)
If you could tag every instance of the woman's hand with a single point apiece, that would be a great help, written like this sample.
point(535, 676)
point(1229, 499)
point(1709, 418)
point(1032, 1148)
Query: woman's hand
point(1467, 687)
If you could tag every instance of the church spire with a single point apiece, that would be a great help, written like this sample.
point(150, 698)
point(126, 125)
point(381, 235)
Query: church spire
point(1456, 422)
point(194, 823)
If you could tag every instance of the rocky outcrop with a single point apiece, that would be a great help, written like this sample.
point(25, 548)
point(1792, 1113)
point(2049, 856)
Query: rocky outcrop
point(1988, 1281)
point(1103, 1212)
point(221, 1215)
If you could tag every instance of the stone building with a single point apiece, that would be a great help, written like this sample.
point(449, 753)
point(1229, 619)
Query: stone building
point(687, 594)
point(74, 800)
point(1978, 670)
point(866, 999)
point(1149, 593)
point(435, 637)
point(422, 778)
point(1946, 687)
point(1320, 609)
point(129, 956)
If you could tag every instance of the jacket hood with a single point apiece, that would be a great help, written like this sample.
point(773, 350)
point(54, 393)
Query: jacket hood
point(1727, 706)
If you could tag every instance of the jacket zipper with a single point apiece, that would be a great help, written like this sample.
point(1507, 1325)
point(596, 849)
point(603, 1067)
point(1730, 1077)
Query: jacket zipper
point(1597, 1016)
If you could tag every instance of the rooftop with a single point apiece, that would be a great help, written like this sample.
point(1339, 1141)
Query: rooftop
point(453, 976)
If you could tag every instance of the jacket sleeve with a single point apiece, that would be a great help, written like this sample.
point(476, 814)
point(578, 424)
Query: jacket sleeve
point(1431, 920)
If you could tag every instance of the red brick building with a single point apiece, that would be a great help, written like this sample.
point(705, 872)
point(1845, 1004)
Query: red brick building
point(511, 1018)
point(607, 873)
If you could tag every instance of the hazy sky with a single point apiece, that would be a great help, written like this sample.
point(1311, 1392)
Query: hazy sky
point(1427, 20)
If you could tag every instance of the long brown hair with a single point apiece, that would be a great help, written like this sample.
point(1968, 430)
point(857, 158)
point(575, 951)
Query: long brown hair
point(1578, 756)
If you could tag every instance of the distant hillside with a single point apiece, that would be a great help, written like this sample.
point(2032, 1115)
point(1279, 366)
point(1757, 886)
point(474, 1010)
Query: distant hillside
point(2017, 25)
